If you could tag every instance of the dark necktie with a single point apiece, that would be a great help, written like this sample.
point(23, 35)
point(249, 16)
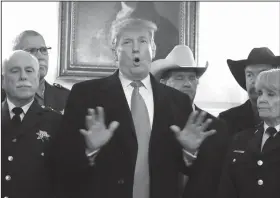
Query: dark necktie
point(271, 131)
point(16, 118)
point(139, 111)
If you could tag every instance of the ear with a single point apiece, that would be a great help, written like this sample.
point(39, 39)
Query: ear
point(115, 54)
point(154, 48)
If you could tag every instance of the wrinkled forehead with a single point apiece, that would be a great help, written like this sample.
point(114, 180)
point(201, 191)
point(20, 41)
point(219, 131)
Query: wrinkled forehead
point(22, 60)
point(31, 41)
point(257, 68)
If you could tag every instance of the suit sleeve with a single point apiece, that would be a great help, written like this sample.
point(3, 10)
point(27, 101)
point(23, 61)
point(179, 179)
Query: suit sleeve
point(72, 165)
point(206, 169)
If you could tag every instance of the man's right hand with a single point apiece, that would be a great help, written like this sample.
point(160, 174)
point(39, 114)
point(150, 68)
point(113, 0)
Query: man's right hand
point(96, 133)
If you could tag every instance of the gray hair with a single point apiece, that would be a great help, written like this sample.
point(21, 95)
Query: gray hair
point(7, 59)
point(21, 36)
point(269, 79)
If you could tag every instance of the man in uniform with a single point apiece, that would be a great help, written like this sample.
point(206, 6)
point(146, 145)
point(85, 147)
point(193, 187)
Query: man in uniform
point(179, 70)
point(245, 73)
point(53, 96)
point(27, 131)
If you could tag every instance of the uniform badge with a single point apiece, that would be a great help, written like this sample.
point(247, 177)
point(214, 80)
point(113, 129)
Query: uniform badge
point(43, 135)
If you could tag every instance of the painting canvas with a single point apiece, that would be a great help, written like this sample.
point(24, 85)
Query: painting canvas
point(85, 44)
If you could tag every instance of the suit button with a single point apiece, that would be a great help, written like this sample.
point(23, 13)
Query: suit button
point(14, 140)
point(6, 197)
point(8, 178)
point(260, 162)
point(10, 158)
point(42, 154)
point(234, 160)
point(260, 182)
point(120, 181)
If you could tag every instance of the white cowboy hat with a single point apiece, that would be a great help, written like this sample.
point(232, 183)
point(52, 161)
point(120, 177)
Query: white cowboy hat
point(181, 57)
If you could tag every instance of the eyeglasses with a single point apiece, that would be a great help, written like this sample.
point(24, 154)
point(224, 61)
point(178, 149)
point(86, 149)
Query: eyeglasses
point(43, 50)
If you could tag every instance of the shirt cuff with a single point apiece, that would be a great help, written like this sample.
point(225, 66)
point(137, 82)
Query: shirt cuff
point(189, 157)
point(91, 156)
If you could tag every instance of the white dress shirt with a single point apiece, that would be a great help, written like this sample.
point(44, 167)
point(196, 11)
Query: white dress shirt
point(146, 92)
point(24, 108)
point(265, 135)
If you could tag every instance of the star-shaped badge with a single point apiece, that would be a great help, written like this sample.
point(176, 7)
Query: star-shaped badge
point(42, 135)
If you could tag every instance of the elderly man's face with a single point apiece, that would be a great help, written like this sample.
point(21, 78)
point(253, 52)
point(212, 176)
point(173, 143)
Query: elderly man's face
point(28, 43)
point(251, 73)
point(268, 103)
point(184, 81)
point(134, 53)
point(21, 77)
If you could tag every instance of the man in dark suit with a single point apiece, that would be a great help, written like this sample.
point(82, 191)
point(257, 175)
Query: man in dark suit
point(245, 72)
point(133, 152)
point(52, 96)
point(27, 131)
point(253, 160)
point(179, 70)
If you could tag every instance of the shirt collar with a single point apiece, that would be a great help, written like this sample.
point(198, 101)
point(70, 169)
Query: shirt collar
point(24, 108)
point(126, 82)
point(277, 127)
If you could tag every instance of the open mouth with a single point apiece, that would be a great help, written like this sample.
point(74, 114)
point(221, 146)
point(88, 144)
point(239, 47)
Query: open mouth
point(136, 61)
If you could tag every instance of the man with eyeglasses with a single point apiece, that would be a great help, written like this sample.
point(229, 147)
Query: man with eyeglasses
point(53, 96)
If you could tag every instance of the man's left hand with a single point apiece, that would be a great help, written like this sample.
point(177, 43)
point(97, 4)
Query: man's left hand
point(194, 132)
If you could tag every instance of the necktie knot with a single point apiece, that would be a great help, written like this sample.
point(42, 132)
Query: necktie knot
point(136, 84)
point(271, 131)
point(17, 111)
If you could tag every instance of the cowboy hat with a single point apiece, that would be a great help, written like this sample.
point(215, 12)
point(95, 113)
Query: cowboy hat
point(261, 55)
point(180, 58)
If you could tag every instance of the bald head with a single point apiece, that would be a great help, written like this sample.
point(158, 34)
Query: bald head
point(20, 76)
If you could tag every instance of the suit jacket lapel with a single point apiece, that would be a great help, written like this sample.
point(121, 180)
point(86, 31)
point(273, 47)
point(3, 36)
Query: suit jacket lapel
point(117, 109)
point(254, 144)
point(5, 118)
point(159, 106)
point(31, 118)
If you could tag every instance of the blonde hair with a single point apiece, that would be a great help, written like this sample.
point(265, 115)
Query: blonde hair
point(269, 79)
point(120, 25)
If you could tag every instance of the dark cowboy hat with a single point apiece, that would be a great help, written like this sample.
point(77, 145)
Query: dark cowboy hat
point(180, 58)
point(257, 56)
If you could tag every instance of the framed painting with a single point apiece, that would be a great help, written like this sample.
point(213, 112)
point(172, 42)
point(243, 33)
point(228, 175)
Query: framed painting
point(84, 44)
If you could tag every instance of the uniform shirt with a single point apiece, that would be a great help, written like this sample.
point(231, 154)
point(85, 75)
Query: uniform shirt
point(24, 108)
point(265, 135)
